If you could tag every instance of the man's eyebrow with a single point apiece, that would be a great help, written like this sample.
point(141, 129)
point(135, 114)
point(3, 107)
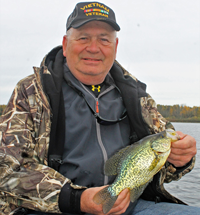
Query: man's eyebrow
point(104, 34)
point(82, 34)
point(87, 34)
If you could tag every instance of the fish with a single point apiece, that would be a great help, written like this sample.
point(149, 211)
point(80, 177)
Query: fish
point(135, 166)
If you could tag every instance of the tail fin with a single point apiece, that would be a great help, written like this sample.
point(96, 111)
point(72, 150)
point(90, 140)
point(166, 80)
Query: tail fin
point(104, 197)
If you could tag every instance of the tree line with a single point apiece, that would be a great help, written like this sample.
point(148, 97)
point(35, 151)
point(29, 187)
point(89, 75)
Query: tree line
point(180, 113)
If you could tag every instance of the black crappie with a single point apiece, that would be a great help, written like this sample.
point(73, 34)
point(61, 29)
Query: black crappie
point(135, 166)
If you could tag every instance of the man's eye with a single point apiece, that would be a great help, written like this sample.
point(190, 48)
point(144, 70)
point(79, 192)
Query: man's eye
point(104, 41)
point(83, 39)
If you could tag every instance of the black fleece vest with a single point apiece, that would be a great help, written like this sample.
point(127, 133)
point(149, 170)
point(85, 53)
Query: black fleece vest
point(131, 92)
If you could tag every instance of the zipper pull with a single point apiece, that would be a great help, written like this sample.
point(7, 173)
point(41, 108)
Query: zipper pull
point(97, 106)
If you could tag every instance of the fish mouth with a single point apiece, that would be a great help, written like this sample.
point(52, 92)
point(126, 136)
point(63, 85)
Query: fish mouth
point(164, 153)
point(172, 135)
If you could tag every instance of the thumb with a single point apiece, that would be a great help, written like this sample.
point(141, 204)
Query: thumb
point(181, 134)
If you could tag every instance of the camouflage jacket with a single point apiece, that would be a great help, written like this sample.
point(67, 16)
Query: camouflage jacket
point(26, 180)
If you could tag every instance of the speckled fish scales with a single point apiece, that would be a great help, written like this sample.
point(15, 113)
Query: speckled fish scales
point(135, 166)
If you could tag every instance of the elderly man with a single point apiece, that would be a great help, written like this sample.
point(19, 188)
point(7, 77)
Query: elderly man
point(66, 120)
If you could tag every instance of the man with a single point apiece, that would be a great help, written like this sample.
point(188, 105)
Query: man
point(66, 120)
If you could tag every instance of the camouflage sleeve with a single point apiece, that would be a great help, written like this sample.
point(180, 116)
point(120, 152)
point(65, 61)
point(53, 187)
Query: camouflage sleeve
point(154, 120)
point(25, 179)
point(174, 174)
point(157, 123)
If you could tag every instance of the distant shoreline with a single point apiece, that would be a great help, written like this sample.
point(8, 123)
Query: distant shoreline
point(180, 113)
point(184, 120)
point(175, 113)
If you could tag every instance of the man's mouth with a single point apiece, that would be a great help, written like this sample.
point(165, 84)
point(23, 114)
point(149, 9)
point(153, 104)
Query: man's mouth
point(91, 59)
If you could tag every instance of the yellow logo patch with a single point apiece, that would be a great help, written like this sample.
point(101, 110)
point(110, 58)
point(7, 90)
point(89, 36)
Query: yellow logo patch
point(95, 9)
point(96, 88)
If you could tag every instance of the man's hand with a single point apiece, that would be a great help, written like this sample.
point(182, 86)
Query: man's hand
point(88, 205)
point(182, 150)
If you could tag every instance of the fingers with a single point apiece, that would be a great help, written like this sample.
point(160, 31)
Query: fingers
point(121, 204)
point(185, 142)
point(182, 150)
point(181, 134)
point(179, 162)
point(87, 204)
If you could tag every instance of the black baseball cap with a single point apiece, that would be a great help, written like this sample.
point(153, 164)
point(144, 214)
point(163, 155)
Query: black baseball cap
point(85, 12)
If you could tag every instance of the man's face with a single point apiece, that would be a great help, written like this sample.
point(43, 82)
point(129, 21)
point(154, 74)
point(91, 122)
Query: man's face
point(90, 51)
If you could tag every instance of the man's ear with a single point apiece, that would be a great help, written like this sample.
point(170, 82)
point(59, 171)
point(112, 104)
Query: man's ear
point(116, 45)
point(64, 44)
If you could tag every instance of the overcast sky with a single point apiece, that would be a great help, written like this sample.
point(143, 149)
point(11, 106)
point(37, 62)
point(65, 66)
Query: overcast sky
point(159, 43)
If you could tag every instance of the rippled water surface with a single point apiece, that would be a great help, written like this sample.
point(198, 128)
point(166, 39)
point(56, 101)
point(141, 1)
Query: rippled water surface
point(188, 188)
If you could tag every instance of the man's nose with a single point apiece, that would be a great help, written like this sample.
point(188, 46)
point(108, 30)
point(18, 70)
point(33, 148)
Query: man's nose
point(93, 46)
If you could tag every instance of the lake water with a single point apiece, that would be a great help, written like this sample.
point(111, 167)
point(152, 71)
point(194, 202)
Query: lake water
point(188, 187)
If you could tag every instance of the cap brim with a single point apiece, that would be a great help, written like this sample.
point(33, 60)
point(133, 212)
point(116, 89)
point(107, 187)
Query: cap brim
point(110, 22)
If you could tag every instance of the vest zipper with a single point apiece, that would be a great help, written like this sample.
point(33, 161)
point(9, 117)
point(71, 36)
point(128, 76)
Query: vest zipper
point(103, 150)
point(97, 107)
